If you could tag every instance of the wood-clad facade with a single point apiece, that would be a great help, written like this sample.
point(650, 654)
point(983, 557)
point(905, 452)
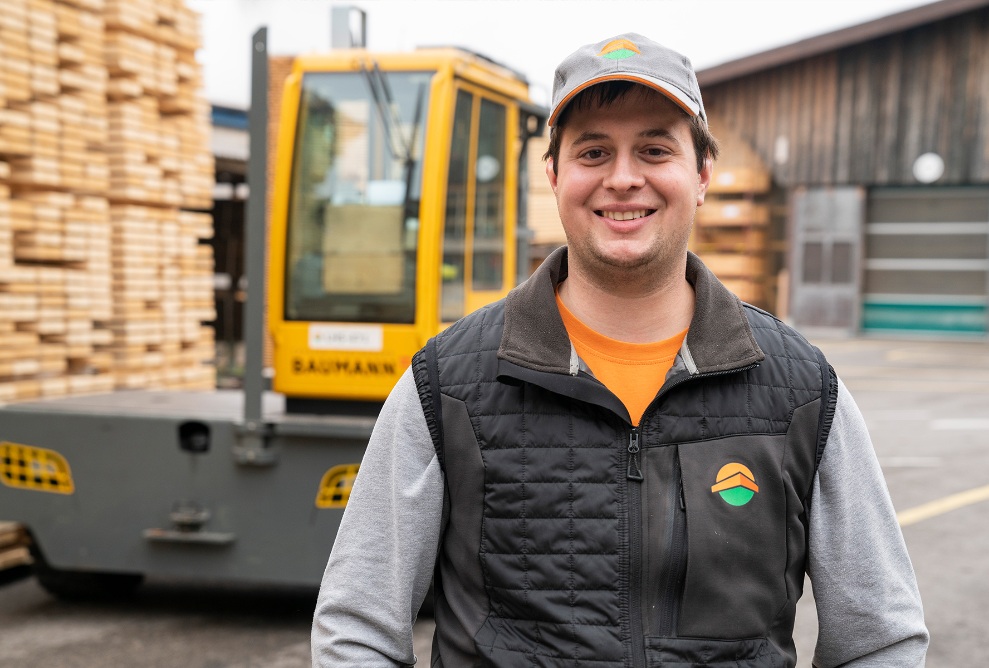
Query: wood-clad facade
point(863, 114)
point(876, 138)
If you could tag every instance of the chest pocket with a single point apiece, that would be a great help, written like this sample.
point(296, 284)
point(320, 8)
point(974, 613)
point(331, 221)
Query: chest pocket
point(736, 513)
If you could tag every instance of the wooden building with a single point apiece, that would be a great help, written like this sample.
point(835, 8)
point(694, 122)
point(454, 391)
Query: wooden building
point(876, 139)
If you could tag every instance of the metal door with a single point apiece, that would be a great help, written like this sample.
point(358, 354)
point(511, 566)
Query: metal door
point(826, 257)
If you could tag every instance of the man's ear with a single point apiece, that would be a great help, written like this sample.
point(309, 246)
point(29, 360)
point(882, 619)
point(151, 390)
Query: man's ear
point(704, 179)
point(551, 173)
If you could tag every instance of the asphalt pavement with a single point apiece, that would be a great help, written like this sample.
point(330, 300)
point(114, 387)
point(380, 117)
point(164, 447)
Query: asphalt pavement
point(927, 407)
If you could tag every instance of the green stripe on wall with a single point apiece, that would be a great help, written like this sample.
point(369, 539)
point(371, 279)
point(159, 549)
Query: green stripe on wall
point(958, 318)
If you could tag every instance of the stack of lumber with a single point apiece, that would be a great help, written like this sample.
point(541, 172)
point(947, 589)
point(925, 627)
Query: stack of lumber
point(104, 160)
point(14, 542)
point(544, 217)
point(731, 230)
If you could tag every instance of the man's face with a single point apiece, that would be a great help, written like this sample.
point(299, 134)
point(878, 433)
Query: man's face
point(627, 187)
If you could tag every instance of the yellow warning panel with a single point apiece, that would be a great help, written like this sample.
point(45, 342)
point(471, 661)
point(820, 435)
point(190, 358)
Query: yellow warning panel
point(38, 469)
point(334, 488)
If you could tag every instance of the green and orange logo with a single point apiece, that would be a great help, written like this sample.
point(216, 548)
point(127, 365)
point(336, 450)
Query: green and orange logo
point(619, 49)
point(735, 484)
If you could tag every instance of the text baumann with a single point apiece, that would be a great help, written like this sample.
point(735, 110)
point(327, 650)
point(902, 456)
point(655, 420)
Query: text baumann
point(347, 367)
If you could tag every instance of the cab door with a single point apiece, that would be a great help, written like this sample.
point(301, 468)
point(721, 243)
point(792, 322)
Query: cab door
point(478, 248)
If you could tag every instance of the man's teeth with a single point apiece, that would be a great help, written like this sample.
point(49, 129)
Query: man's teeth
point(624, 215)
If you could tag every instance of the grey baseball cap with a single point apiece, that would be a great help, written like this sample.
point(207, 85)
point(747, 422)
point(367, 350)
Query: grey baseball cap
point(628, 57)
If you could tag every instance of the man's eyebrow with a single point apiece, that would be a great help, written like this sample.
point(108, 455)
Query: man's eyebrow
point(661, 133)
point(587, 136)
point(652, 133)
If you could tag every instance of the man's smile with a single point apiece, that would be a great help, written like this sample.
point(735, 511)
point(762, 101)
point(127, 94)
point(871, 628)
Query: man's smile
point(625, 215)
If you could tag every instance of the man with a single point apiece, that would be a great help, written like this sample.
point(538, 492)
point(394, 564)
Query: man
point(620, 464)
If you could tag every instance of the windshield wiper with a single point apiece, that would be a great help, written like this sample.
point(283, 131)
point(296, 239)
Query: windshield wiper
point(391, 123)
point(383, 104)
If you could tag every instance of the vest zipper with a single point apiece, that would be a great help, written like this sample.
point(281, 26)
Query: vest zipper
point(634, 471)
point(674, 586)
point(635, 551)
point(707, 374)
point(676, 577)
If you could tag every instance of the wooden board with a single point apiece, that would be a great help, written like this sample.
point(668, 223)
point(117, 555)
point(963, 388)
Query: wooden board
point(14, 546)
point(732, 212)
point(735, 265)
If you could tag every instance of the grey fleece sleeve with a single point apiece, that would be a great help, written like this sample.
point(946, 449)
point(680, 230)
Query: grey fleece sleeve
point(382, 559)
point(868, 605)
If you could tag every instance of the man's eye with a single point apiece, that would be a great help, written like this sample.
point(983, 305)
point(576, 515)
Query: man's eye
point(594, 154)
point(656, 152)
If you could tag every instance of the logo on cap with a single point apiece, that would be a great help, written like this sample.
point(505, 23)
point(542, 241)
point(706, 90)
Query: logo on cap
point(619, 49)
point(735, 484)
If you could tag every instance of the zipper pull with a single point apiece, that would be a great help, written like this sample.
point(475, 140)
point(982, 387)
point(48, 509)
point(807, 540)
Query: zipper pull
point(683, 504)
point(634, 472)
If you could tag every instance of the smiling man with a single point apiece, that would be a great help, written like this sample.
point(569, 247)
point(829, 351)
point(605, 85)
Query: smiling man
point(620, 464)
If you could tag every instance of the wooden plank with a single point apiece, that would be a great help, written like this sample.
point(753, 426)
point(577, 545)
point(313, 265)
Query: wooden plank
point(18, 390)
point(825, 126)
point(12, 534)
point(952, 128)
point(912, 104)
point(737, 180)
point(90, 383)
point(15, 556)
point(977, 133)
point(750, 291)
point(732, 212)
point(888, 112)
point(735, 265)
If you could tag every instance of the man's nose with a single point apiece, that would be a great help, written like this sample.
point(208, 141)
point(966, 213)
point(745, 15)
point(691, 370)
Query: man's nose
point(626, 173)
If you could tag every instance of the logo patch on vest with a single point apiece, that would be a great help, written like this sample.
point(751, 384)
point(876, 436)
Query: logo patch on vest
point(735, 484)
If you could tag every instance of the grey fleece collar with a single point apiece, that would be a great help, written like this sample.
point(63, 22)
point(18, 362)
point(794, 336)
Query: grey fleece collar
point(719, 339)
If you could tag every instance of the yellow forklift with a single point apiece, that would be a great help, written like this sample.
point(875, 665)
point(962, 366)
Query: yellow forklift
point(398, 205)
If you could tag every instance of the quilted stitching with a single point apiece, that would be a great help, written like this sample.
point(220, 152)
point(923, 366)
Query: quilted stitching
point(542, 455)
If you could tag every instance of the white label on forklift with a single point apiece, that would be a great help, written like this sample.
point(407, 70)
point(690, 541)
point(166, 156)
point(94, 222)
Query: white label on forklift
point(364, 338)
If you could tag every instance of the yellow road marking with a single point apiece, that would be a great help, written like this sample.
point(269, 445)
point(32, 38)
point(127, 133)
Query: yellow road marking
point(941, 506)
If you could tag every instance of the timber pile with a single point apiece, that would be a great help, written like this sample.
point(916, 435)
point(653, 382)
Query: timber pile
point(104, 150)
point(731, 230)
point(14, 542)
point(544, 217)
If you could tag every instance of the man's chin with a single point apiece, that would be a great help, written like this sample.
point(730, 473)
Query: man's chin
point(624, 265)
point(623, 258)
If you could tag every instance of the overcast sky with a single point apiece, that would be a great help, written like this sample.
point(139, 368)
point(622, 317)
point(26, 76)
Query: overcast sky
point(528, 35)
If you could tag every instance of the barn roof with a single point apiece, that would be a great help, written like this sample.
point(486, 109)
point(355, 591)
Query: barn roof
point(838, 39)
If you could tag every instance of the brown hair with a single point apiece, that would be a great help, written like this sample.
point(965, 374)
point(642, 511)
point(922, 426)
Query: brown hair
point(603, 94)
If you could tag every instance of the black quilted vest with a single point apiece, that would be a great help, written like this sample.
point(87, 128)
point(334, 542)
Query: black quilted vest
point(574, 539)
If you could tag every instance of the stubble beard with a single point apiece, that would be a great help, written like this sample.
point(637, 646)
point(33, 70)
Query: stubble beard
point(642, 273)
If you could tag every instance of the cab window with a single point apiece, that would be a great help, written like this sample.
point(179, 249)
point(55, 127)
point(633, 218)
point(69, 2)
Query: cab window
point(476, 206)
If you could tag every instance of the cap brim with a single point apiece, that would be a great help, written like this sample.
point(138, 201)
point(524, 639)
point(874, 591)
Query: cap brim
point(674, 94)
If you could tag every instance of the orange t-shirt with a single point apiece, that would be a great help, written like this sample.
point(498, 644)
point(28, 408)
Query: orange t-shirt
point(634, 372)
